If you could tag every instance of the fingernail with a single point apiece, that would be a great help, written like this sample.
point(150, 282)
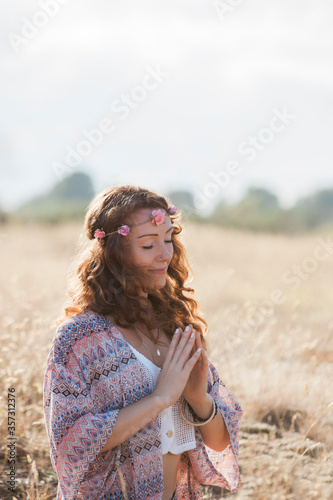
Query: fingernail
point(177, 331)
point(187, 329)
point(199, 350)
point(192, 335)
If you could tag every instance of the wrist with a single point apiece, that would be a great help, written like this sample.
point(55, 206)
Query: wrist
point(202, 408)
point(159, 402)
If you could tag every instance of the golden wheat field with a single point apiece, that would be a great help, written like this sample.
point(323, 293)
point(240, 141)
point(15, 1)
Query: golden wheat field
point(268, 301)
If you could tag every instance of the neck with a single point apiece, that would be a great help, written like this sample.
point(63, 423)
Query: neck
point(142, 329)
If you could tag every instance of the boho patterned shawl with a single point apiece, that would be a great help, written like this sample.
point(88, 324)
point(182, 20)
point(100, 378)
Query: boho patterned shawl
point(91, 374)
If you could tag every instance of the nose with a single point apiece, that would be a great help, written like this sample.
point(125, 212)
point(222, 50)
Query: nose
point(165, 255)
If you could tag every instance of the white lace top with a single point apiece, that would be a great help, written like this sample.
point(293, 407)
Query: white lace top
point(177, 435)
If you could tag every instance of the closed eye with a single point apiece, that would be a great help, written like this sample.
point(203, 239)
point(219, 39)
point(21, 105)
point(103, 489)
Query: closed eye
point(151, 246)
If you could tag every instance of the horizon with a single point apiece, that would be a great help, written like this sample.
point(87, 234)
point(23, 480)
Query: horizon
point(206, 210)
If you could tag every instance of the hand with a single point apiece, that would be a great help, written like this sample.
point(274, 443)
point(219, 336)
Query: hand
point(195, 391)
point(177, 367)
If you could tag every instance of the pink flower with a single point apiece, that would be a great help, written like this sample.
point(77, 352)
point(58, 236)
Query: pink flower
point(158, 217)
point(99, 234)
point(172, 210)
point(124, 230)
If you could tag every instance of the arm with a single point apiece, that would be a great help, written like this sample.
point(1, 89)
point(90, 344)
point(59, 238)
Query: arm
point(75, 431)
point(214, 434)
point(210, 466)
point(169, 387)
point(132, 418)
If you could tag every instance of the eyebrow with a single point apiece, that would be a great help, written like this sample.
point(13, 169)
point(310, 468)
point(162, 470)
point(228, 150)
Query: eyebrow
point(143, 235)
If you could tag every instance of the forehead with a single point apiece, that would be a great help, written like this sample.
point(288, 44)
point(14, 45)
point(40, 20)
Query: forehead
point(143, 214)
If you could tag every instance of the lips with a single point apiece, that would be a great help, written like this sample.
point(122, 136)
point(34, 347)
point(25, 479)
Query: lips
point(162, 270)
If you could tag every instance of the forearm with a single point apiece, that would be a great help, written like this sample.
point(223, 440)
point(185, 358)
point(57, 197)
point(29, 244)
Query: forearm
point(215, 433)
point(132, 418)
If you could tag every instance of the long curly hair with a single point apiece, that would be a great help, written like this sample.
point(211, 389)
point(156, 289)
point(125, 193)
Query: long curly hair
point(103, 279)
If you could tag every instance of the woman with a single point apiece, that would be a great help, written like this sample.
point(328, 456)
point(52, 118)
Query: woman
point(133, 407)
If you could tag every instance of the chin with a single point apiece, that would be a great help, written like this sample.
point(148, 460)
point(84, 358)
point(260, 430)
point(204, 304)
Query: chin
point(157, 284)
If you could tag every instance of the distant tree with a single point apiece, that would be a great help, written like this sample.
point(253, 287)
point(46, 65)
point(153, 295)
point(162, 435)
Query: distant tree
point(3, 216)
point(76, 186)
point(314, 210)
point(67, 200)
point(183, 200)
point(262, 199)
point(258, 211)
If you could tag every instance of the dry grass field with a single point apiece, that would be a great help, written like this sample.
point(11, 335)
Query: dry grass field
point(270, 336)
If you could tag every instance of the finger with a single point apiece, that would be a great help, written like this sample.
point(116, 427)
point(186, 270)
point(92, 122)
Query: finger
point(173, 345)
point(192, 361)
point(195, 346)
point(185, 336)
point(204, 360)
point(187, 351)
point(199, 346)
point(197, 340)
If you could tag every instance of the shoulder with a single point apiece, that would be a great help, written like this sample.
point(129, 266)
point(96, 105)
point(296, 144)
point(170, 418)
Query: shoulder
point(78, 323)
point(78, 329)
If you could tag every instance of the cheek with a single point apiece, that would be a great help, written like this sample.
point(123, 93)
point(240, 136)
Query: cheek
point(141, 256)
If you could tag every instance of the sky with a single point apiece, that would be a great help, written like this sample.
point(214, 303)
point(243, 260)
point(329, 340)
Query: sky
point(209, 96)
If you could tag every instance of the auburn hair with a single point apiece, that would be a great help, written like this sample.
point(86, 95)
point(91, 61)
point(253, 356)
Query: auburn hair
point(103, 279)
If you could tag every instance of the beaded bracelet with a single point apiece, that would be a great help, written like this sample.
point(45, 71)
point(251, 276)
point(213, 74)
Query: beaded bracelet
point(201, 421)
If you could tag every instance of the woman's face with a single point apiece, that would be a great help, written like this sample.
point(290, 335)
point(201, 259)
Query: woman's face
point(151, 246)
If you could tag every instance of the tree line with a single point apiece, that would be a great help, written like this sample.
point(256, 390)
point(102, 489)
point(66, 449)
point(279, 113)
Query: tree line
point(258, 210)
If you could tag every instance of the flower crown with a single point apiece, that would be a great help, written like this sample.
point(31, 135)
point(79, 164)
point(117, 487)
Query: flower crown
point(156, 218)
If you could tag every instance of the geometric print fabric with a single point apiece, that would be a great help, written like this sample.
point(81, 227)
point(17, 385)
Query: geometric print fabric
point(91, 374)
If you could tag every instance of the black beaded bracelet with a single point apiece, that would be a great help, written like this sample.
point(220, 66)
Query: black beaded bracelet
point(200, 421)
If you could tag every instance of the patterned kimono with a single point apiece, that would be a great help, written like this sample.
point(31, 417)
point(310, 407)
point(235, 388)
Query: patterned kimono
point(91, 374)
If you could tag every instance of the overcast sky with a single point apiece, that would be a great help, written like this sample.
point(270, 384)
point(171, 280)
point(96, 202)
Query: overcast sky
point(187, 92)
